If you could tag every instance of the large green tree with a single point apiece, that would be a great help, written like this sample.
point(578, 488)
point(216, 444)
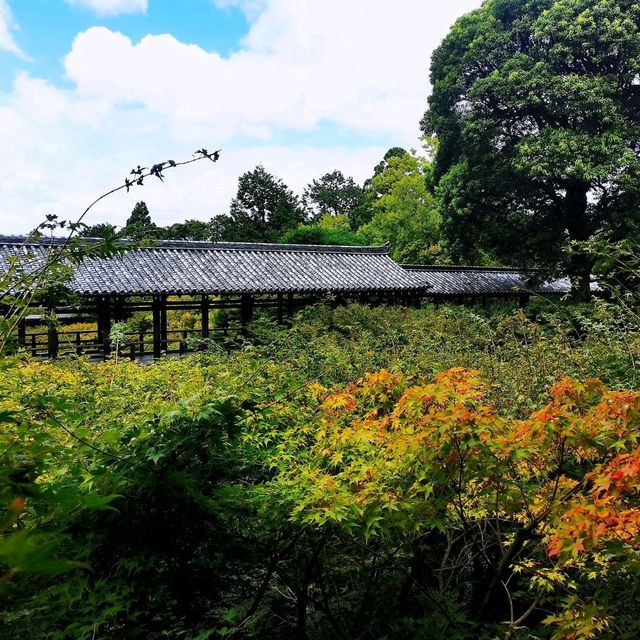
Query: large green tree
point(139, 225)
point(536, 104)
point(363, 212)
point(264, 208)
point(405, 213)
point(332, 193)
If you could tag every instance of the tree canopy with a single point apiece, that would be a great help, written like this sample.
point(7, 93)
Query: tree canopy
point(188, 230)
point(99, 230)
point(332, 193)
point(264, 208)
point(536, 105)
point(139, 225)
point(405, 213)
point(327, 230)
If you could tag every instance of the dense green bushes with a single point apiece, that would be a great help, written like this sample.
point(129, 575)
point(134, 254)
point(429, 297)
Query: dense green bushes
point(148, 505)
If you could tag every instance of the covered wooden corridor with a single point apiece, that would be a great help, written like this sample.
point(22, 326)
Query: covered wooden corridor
point(238, 279)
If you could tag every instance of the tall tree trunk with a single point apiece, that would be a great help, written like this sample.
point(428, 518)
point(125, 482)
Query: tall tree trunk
point(580, 274)
point(579, 229)
point(302, 597)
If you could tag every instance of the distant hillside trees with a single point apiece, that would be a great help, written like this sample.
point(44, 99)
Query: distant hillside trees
point(536, 105)
point(140, 227)
point(393, 206)
point(100, 230)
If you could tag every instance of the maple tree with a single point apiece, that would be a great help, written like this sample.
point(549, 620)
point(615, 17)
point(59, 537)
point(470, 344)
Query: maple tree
point(519, 501)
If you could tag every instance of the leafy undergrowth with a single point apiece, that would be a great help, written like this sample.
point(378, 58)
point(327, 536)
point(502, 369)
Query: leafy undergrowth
point(378, 473)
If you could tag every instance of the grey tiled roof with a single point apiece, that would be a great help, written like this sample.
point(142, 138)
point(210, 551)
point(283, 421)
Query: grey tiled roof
point(182, 267)
point(187, 267)
point(451, 281)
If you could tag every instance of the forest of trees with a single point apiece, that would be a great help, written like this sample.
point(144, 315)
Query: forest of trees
point(453, 472)
point(394, 205)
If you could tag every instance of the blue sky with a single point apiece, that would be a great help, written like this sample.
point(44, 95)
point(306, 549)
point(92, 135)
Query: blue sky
point(89, 88)
point(48, 26)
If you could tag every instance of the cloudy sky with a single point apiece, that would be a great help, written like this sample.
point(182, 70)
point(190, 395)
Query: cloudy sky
point(91, 88)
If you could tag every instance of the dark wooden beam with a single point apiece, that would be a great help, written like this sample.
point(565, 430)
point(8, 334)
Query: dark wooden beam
point(103, 304)
point(22, 333)
point(163, 322)
point(290, 307)
point(246, 310)
point(52, 334)
point(157, 337)
point(204, 316)
point(280, 308)
point(119, 313)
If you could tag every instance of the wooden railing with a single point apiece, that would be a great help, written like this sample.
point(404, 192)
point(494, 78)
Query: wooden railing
point(137, 344)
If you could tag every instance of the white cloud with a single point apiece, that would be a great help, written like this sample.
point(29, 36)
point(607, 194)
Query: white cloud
point(112, 7)
point(7, 26)
point(251, 8)
point(358, 66)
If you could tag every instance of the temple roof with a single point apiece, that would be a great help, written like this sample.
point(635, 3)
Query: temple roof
point(457, 280)
point(184, 267)
point(177, 267)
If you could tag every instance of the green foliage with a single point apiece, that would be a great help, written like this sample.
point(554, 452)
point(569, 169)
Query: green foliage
point(405, 213)
point(535, 105)
point(148, 501)
point(264, 208)
point(187, 230)
point(333, 194)
point(317, 234)
point(100, 230)
point(139, 226)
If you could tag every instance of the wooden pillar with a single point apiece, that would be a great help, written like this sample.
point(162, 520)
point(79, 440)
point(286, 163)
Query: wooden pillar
point(157, 336)
point(523, 300)
point(163, 323)
point(280, 307)
point(52, 334)
point(204, 316)
point(484, 302)
point(104, 324)
point(22, 333)
point(290, 307)
point(246, 310)
point(118, 309)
